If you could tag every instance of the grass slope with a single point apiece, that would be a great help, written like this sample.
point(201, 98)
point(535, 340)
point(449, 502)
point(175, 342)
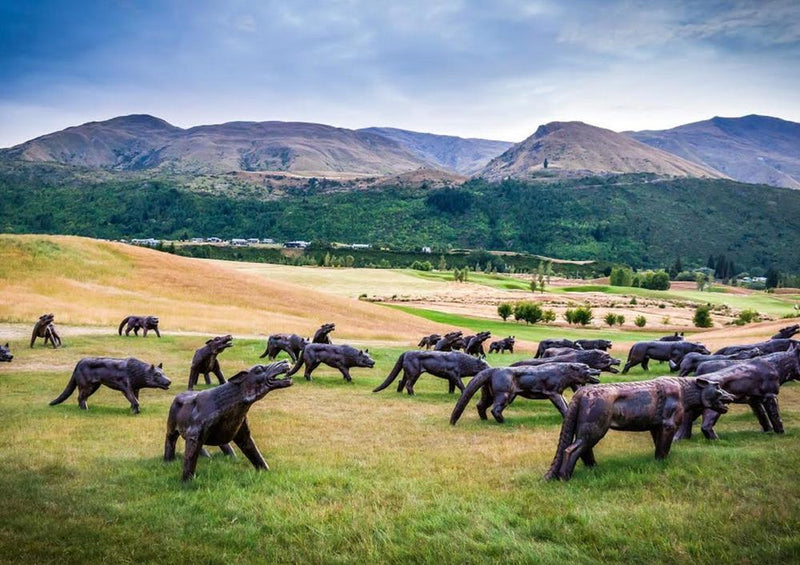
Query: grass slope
point(360, 477)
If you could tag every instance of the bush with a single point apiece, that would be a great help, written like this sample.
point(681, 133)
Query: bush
point(528, 311)
point(548, 316)
point(620, 319)
point(422, 266)
point(702, 317)
point(569, 316)
point(640, 321)
point(610, 319)
point(634, 301)
point(583, 315)
point(621, 276)
point(504, 310)
point(747, 317)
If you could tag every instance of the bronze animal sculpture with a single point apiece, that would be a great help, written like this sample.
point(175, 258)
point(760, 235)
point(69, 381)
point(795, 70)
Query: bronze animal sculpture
point(501, 385)
point(5, 354)
point(672, 351)
point(125, 375)
point(218, 416)
point(546, 344)
point(787, 332)
point(292, 344)
point(450, 365)
point(601, 344)
point(594, 358)
point(45, 328)
point(474, 345)
point(503, 345)
point(342, 357)
point(137, 323)
point(658, 406)
point(205, 360)
point(446, 343)
point(774, 345)
point(429, 341)
point(755, 382)
point(691, 361)
point(674, 337)
point(322, 334)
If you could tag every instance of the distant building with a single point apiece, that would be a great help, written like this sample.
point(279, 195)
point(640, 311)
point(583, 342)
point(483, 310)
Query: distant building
point(213, 240)
point(297, 244)
point(197, 240)
point(360, 246)
point(252, 240)
point(147, 242)
point(427, 250)
point(238, 242)
point(267, 240)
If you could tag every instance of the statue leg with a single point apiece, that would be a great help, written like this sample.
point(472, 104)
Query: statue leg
point(581, 448)
point(346, 374)
point(709, 419)
point(227, 450)
point(458, 383)
point(559, 402)
point(757, 405)
point(645, 362)
point(310, 368)
point(411, 382)
point(771, 406)
point(403, 380)
point(207, 378)
point(144, 331)
point(244, 441)
point(218, 373)
point(192, 379)
point(588, 457)
point(132, 399)
point(190, 456)
point(501, 400)
point(685, 429)
point(171, 439)
point(662, 438)
point(158, 333)
point(486, 400)
point(86, 392)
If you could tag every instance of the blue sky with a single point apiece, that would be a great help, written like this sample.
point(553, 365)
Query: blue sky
point(493, 69)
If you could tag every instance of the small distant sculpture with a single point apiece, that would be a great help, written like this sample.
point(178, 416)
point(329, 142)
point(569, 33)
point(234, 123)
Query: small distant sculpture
point(137, 323)
point(45, 328)
point(205, 360)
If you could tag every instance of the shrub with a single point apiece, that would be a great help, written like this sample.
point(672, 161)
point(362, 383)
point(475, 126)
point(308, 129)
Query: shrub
point(422, 266)
point(528, 311)
point(620, 319)
point(634, 301)
point(610, 319)
point(504, 310)
point(702, 317)
point(569, 316)
point(583, 315)
point(640, 321)
point(747, 317)
point(548, 316)
point(621, 276)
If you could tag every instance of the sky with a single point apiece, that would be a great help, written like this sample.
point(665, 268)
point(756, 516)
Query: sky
point(491, 69)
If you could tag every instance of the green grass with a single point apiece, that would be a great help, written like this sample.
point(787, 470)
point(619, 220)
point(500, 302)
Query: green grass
point(535, 332)
point(359, 477)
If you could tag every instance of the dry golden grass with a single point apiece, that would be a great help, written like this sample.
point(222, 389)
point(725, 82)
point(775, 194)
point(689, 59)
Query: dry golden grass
point(89, 282)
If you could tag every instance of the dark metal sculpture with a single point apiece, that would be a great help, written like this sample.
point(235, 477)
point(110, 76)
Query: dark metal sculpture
point(672, 351)
point(450, 365)
point(218, 416)
point(502, 345)
point(474, 345)
point(292, 344)
point(691, 361)
point(429, 341)
point(501, 385)
point(446, 343)
point(205, 360)
point(658, 406)
point(774, 345)
point(125, 375)
point(674, 337)
point(787, 332)
point(755, 382)
point(5, 354)
point(546, 344)
point(342, 357)
point(601, 344)
point(136, 323)
point(594, 358)
point(321, 335)
point(45, 328)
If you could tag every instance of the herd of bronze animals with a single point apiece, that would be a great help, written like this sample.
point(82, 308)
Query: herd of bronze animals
point(666, 406)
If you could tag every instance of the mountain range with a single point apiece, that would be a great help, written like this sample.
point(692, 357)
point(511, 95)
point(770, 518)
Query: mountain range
point(753, 149)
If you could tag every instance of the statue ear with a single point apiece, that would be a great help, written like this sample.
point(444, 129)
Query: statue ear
point(161, 365)
point(366, 351)
point(6, 344)
point(238, 376)
point(703, 383)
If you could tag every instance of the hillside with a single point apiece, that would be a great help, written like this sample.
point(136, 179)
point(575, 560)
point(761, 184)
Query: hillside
point(143, 142)
point(754, 149)
point(93, 282)
point(465, 156)
point(632, 219)
point(576, 147)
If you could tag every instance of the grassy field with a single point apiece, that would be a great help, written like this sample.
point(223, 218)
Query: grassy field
point(359, 477)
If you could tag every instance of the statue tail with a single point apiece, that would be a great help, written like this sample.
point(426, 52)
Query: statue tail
point(474, 385)
point(122, 324)
point(297, 365)
point(565, 438)
point(393, 375)
point(71, 385)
